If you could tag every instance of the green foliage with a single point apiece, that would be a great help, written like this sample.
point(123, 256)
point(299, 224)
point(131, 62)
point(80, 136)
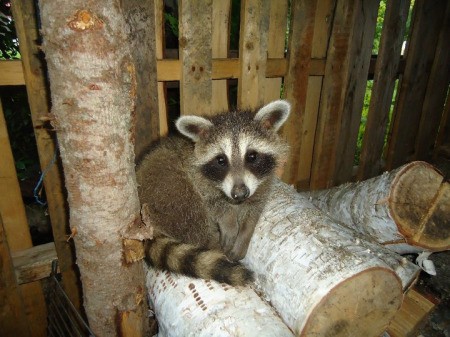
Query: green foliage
point(172, 23)
point(9, 46)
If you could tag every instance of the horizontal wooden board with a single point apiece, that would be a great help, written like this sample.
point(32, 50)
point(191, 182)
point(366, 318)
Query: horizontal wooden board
point(169, 70)
point(34, 263)
point(12, 73)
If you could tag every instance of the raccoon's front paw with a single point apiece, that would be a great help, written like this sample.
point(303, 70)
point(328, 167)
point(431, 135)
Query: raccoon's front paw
point(227, 243)
point(237, 253)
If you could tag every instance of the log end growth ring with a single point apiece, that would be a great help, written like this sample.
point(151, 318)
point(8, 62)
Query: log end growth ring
point(362, 305)
point(419, 203)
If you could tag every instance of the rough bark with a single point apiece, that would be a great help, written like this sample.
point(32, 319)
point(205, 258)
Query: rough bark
point(307, 266)
point(188, 307)
point(92, 83)
point(406, 210)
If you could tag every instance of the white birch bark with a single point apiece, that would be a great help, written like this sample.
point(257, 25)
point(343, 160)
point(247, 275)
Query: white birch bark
point(188, 307)
point(321, 277)
point(406, 210)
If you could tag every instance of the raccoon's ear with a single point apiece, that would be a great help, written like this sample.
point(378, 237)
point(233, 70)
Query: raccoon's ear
point(273, 115)
point(193, 127)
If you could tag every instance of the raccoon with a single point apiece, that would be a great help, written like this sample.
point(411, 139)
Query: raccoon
point(206, 190)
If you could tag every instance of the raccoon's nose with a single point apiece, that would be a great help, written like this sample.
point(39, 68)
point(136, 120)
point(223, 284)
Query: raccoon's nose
point(240, 192)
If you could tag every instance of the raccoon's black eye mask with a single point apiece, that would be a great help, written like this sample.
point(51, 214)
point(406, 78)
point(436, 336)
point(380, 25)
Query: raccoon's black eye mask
point(216, 169)
point(260, 164)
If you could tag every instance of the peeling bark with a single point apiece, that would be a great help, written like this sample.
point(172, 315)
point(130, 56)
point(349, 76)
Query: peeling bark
point(322, 278)
point(406, 210)
point(92, 83)
point(188, 307)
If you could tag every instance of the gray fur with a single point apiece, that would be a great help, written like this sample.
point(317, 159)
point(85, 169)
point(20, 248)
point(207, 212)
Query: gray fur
point(196, 201)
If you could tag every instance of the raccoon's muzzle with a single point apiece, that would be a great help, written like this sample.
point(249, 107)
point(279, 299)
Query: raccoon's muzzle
point(169, 254)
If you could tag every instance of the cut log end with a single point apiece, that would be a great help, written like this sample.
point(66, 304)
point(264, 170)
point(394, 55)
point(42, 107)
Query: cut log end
point(362, 305)
point(419, 203)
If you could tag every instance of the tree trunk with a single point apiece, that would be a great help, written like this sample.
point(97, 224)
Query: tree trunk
point(406, 210)
point(92, 82)
point(307, 266)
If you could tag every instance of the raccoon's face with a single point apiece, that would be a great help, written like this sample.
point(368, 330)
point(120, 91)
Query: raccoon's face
point(237, 151)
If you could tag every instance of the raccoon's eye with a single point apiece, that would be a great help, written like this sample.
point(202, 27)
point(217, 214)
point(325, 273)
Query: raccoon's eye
point(251, 156)
point(221, 160)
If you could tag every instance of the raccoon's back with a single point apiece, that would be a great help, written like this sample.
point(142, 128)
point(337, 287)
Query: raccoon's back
point(176, 209)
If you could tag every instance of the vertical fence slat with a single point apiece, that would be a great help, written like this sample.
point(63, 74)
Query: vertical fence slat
point(343, 91)
point(25, 22)
point(444, 129)
point(159, 50)
point(436, 93)
point(428, 19)
point(359, 60)
point(331, 101)
point(386, 68)
point(220, 45)
point(322, 31)
point(299, 56)
point(16, 229)
point(253, 52)
point(276, 45)
point(140, 18)
point(195, 56)
point(12, 311)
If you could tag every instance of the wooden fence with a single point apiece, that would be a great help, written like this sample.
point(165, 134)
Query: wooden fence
point(323, 71)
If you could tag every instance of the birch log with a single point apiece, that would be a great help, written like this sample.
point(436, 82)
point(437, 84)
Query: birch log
point(321, 277)
point(188, 307)
point(406, 210)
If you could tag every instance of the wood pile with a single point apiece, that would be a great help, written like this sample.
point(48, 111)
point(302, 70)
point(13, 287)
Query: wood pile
point(315, 275)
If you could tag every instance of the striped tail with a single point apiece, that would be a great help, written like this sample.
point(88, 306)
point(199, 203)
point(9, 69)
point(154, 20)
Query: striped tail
point(168, 254)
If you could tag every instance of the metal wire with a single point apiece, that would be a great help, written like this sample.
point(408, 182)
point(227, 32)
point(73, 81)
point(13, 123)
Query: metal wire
point(63, 318)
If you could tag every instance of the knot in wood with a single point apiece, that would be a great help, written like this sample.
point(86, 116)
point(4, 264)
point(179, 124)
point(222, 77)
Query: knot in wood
point(85, 20)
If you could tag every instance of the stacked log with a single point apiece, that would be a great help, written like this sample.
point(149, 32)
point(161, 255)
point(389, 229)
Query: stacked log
point(194, 307)
point(406, 210)
point(321, 277)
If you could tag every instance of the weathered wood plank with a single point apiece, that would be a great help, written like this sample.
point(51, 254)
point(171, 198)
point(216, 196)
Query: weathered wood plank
point(170, 70)
point(12, 73)
point(277, 31)
point(322, 32)
point(12, 310)
point(195, 56)
point(34, 72)
point(427, 23)
point(159, 45)
point(444, 129)
point(435, 95)
point(220, 46)
point(16, 229)
point(415, 308)
point(383, 88)
point(140, 18)
point(253, 52)
point(343, 91)
point(34, 263)
point(355, 87)
point(299, 56)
